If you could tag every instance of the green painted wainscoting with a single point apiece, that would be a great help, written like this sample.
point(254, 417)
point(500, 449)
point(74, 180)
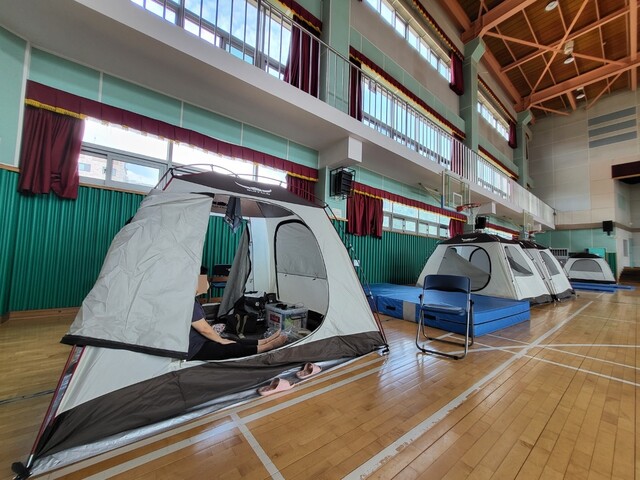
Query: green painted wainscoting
point(395, 258)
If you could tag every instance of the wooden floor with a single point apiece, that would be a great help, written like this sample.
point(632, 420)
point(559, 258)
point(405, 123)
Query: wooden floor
point(556, 397)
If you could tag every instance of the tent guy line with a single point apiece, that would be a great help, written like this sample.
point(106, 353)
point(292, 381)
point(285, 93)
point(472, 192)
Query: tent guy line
point(159, 453)
point(408, 438)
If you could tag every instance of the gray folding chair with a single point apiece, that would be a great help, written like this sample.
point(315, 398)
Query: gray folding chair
point(463, 308)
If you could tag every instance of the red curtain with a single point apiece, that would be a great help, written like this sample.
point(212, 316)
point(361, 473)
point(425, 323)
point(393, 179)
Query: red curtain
point(50, 149)
point(513, 141)
point(457, 82)
point(57, 98)
point(304, 61)
point(364, 215)
point(457, 155)
point(456, 227)
point(301, 187)
point(355, 90)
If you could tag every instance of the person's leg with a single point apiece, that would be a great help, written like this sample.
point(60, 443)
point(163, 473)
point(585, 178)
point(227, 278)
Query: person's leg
point(280, 340)
point(273, 337)
point(218, 351)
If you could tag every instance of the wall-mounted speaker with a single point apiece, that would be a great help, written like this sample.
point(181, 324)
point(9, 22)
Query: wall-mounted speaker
point(607, 226)
point(341, 183)
point(481, 222)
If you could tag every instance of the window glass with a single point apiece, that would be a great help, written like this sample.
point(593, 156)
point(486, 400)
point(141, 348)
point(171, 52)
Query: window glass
point(188, 155)
point(410, 225)
point(387, 12)
point(128, 172)
point(271, 175)
point(128, 140)
point(397, 224)
point(405, 210)
point(385, 221)
point(92, 166)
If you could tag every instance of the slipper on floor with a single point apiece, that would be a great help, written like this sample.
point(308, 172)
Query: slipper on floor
point(277, 385)
point(309, 370)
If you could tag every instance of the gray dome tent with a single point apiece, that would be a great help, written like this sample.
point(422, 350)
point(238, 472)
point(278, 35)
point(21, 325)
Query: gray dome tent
point(126, 376)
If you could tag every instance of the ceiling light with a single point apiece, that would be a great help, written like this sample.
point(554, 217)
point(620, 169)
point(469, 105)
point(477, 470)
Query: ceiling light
point(551, 5)
point(569, 59)
point(580, 96)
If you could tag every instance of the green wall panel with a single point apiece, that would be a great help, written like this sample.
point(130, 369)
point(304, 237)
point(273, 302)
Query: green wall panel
point(8, 200)
point(59, 245)
point(64, 75)
point(303, 155)
point(264, 141)
point(140, 100)
point(394, 258)
point(12, 52)
point(211, 124)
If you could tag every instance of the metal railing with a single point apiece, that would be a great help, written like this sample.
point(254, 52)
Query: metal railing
point(259, 33)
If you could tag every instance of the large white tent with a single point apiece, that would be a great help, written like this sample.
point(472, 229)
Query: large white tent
point(126, 375)
point(587, 267)
point(549, 268)
point(497, 267)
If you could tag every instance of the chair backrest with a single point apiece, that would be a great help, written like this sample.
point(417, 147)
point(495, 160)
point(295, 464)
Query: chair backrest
point(447, 283)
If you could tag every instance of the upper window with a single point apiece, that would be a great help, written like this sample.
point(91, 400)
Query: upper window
point(403, 218)
point(125, 158)
point(493, 118)
point(419, 39)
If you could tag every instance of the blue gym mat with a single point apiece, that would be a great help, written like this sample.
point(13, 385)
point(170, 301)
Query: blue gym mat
point(489, 313)
point(601, 287)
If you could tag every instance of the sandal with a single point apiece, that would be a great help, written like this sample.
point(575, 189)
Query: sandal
point(309, 370)
point(277, 385)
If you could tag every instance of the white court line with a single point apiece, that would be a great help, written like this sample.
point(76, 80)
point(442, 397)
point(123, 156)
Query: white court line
point(257, 449)
point(508, 348)
point(238, 422)
point(584, 370)
point(396, 447)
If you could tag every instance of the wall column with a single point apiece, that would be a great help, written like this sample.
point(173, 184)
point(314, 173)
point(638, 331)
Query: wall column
point(520, 153)
point(473, 52)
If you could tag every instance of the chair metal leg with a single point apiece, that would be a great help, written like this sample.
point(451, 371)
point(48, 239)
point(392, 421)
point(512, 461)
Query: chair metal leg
point(468, 336)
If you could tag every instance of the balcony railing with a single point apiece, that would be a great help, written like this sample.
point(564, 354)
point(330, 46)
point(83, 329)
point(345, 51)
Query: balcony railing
point(259, 33)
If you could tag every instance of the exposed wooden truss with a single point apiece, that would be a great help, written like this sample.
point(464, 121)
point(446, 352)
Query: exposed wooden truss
point(546, 58)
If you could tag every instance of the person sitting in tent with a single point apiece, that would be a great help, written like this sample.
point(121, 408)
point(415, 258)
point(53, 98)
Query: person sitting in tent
point(207, 344)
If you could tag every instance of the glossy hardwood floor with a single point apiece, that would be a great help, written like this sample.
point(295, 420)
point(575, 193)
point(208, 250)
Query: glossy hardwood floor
point(555, 397)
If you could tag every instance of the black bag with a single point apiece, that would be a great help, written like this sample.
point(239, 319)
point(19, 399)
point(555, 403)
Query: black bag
point(241, 324)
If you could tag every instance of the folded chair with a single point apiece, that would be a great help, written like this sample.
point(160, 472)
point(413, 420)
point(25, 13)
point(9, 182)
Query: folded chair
point(459, 304)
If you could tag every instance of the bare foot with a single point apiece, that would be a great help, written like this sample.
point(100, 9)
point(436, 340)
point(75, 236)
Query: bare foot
point(264, 341)
point(280, 340)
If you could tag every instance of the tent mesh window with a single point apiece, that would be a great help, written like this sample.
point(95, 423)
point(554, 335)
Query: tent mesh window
point(586, 265)
point(469, 261)
point(551, 266)
point(517, 262)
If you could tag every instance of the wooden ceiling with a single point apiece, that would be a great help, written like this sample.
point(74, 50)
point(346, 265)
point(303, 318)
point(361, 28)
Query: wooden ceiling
point(527, 45)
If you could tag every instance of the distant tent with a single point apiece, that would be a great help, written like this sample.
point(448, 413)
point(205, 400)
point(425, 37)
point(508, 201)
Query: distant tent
point(126, 376)
point(497, 267)
point(587, 267)
point(549, 268)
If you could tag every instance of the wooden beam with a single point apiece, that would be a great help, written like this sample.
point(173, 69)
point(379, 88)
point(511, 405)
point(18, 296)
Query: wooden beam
point(540, 107)
point(633, 40)
point(572, 100)
point(576, 34)
point(495, 16)
point(582, 80)
point(606, 87)
point(457, 13)
point(550, 49)
point(564, 38)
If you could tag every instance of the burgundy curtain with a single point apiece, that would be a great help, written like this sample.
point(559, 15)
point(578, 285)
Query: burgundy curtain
point(301, 187)
point(364, 215)
point(304, 61)
point(457, 81)
point(456, 227)
point(50, 149)
point(355, 90)
point(457, 156)
point(513, 141)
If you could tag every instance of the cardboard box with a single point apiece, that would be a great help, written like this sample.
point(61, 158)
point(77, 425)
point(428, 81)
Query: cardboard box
point(289, 318)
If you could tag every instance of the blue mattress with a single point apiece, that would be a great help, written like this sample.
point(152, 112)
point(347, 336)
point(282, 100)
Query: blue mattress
point(489, 313)
point(603, 287)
